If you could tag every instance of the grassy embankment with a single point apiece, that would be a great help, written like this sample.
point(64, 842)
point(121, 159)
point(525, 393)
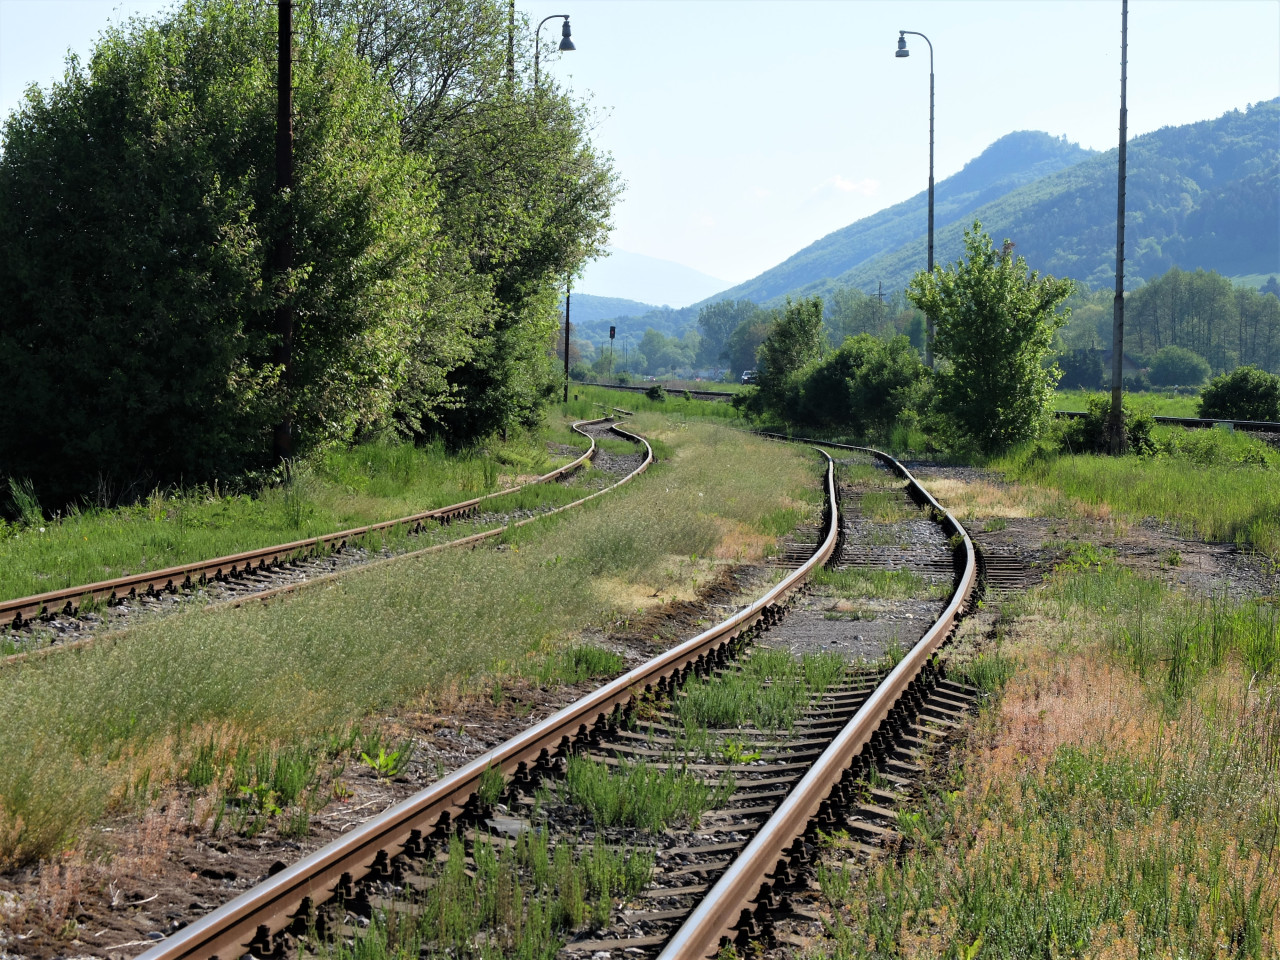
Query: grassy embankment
point(230, 702)
point(1121, 799)
point(1209, 484)
point(338, 490)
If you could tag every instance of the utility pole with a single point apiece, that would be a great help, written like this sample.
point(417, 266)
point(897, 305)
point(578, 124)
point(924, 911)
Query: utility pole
point(511, 43)
point(568, 291)
point(1115, 422)
point(282, 255)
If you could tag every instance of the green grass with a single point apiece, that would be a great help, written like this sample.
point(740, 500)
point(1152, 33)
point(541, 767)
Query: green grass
point(1151, 831)
point(1234, 501)
point(769, 690)
point(521, 903)
point(1158, 403)
point(859, 584)
point(674, 406)
point(339, 490)
point(80, 729)
point(640, 794)
point(1167, 637)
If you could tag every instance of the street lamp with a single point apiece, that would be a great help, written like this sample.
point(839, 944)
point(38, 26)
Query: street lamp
point(904, 52)
point(566, 42)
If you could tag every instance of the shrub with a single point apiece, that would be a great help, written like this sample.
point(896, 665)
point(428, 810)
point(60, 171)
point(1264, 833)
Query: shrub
point(656, 393)
point(865, 386)
point(1246, 393)
point(1173, 365)
point(1088, 434)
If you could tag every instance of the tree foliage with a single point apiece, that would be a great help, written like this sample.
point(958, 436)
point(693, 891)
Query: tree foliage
point(525, 199)
point(1246, 393)
point(136, 216)
point(864, 387)
point(1177, 366)
point(439, 202)
point(995, 326)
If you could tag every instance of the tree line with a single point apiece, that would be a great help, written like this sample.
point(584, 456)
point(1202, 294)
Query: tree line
point(439, 202)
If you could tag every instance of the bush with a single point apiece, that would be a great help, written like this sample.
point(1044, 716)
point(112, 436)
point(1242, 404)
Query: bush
point(1246, 393)
point(1173, 366)
point(865, 386)
point(656, 393)
point(1088, 434)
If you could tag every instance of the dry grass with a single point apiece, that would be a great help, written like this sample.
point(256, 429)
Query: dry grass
point(1093, 816)
point(110, 727)
point(981, 498)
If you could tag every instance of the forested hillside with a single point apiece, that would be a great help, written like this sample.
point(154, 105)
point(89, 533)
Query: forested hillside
point(1204, 195)
point(1012, 161)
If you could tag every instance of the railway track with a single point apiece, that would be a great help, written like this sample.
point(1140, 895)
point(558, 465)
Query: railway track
point(271, 571)
point(768, 781)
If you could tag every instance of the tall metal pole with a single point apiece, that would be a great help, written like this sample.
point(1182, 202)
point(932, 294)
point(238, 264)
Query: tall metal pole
point(902, 52)
point(568, 291)
point(511, 43)
point(1115, 424)
point(282, 256)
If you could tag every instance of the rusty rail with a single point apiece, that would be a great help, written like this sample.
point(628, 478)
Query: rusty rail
point(68, 599)
point(743, 881)
point(254, 919)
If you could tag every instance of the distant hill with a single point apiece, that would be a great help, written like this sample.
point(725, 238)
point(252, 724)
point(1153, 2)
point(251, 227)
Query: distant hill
point(1012, 161)
point(586, 308)
point(1203, 195)
point(634, 276)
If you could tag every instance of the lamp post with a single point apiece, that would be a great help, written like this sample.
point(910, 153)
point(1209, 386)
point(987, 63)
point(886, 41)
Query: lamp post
point(904, 52)
point(566, 42)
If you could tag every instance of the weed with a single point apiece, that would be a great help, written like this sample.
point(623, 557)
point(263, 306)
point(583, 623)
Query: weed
point(388, 763)
point(492, 783)
point(639, 794)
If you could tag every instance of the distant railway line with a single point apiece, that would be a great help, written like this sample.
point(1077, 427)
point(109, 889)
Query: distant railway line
point(270, 571)
point(735, 875)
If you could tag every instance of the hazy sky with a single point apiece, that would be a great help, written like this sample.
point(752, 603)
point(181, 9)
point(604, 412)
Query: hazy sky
point(747, 129)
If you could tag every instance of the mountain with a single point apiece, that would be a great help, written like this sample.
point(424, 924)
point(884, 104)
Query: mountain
point(586, 308)
point(1012, 161)
point(1202, 195)
point(634, 276)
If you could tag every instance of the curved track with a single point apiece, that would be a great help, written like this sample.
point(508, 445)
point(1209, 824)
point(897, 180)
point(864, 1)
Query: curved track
point(68, 599)
point(255, 921)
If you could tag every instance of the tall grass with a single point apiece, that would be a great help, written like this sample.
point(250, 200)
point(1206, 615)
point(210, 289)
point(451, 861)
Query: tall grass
point(1228, 501)
point(768, 691)
point(1166, 635)
point(1159, 403)
point(639, 794)
point(338, 490)
point(1092, 820)
point(80, 728)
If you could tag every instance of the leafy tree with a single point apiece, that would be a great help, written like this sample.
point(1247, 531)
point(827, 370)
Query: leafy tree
point(1178, 366)
point(795, 341)
point(136, 216)
point(740, 349)
point(865, 386)
point(525, 198)
point(1082, 368)
point(995, 326)
point(1271, 287)
point(1246, 393)
point(718, 321)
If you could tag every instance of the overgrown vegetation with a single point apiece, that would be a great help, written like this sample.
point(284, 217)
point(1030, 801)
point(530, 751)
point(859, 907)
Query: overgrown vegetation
point(1120, 801)
point(768, 691)
point(334, 490)
point(81, 730)
point(431, 220)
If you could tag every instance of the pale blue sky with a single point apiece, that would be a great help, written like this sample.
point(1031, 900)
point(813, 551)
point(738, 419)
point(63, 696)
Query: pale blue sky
point(746, 129)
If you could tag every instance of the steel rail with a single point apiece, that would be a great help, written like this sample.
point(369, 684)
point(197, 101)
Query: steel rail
point(253, 919)
point(745, 878)
point(638, 388)
point(67, 599)
point(294, 587)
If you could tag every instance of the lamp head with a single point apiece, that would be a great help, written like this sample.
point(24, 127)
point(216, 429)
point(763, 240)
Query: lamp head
point(566, 38)
point(902, 47)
